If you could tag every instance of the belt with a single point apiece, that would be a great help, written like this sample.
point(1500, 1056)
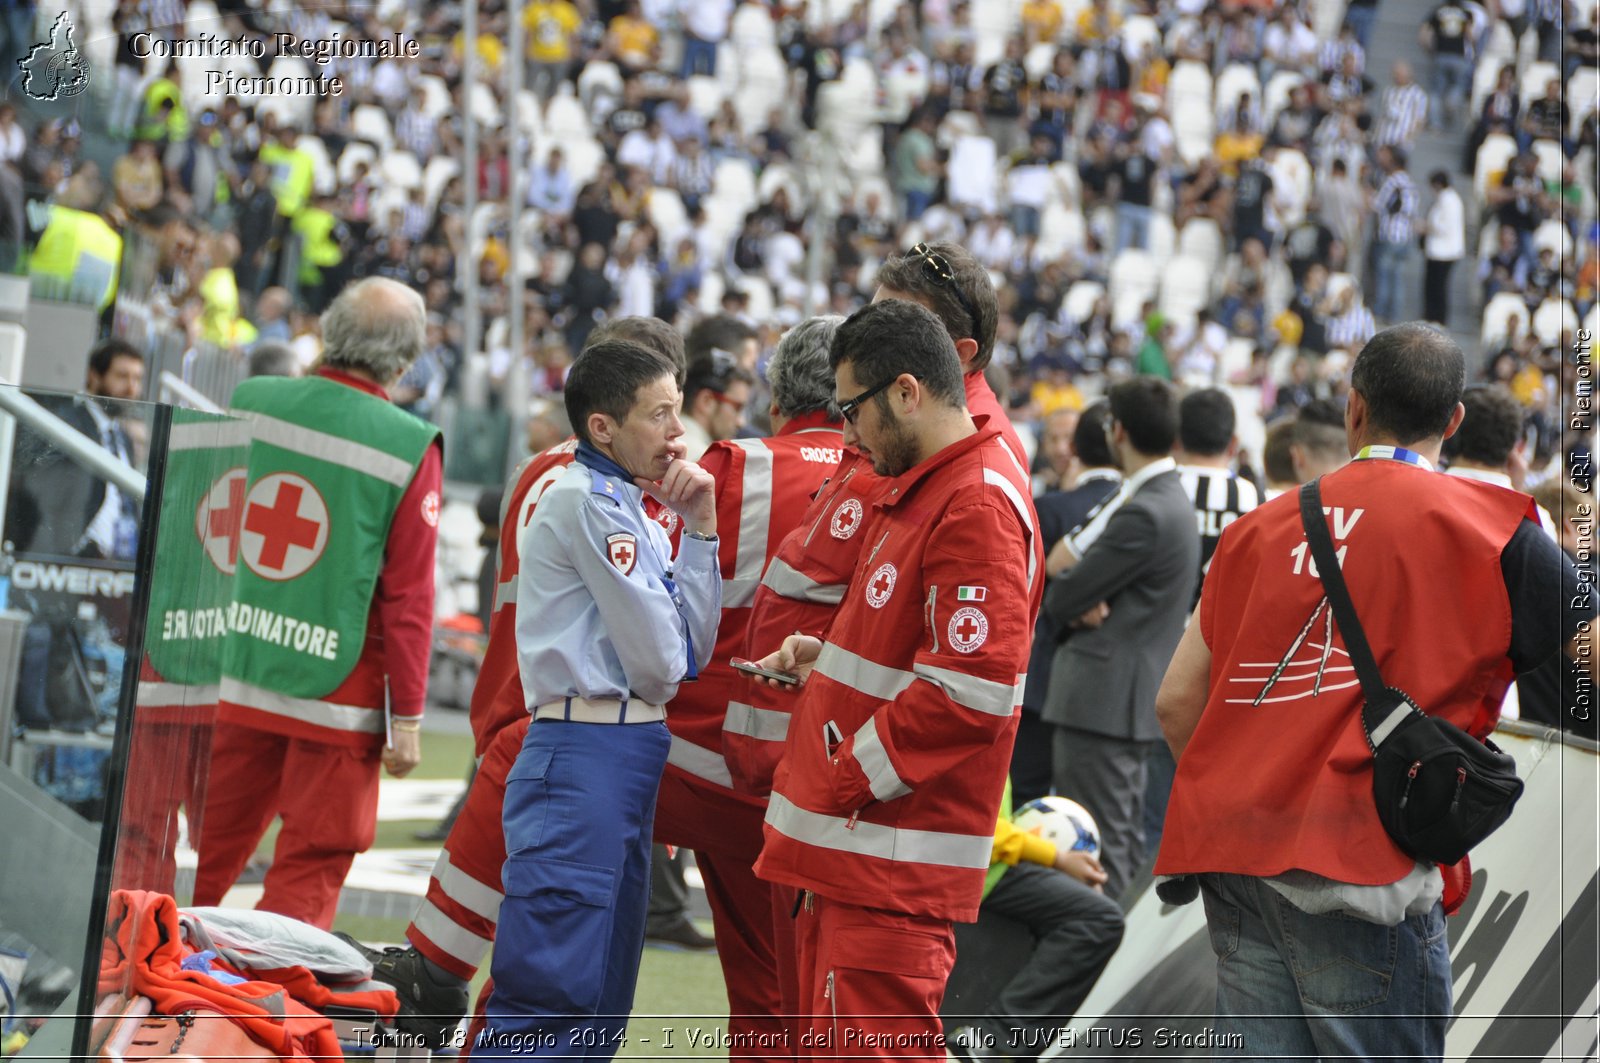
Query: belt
point(600, 710)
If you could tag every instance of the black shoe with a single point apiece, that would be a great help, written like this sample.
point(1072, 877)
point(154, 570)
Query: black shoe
point(682, 934)
point(432, 1002)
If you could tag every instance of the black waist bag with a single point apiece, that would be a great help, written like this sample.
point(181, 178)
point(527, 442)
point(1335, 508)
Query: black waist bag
point(1438, 790)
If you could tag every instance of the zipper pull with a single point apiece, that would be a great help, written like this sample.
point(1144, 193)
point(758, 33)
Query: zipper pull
point(1411, 777)
point(1461, 780)
point(827, 987)
point(850, 824)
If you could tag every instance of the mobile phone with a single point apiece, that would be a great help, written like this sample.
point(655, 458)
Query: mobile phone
point(765, 673)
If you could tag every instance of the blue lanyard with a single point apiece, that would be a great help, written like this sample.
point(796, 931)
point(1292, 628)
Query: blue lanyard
point(1410, 457)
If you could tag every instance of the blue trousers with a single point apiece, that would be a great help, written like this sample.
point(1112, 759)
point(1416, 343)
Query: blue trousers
point(1295, 985)
point(1388, 265)
point(579, 810)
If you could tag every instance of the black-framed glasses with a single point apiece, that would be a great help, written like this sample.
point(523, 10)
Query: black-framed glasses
point(849, 408)
point(937, 266)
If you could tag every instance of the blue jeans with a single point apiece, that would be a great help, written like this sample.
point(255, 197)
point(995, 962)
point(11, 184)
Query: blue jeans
point(1361, 19)
point(1133, 226)
point(1290, 984)
point(699, 57)
point(1388, 263)
point(1452, 81)
point(579, 809)
point(916, 203)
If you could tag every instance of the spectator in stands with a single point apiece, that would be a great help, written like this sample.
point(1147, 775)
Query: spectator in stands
point(1444, 244)
point(917, 167)
point(1395, 207)
point(551, 30)
point(1447, 34)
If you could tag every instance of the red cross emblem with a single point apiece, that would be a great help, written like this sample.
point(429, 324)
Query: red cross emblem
point(967, 630)
point(846, 519)
point(881, 585)
point(285, 526)
point(217, 518)
point(623, 550)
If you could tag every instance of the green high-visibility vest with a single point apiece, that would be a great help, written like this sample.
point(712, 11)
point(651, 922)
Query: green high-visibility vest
point(202, 500)
point(328, 466)
point(998, 868)
point(292, 175)
point(318, 247)
point(175, 127)
point(76, 259)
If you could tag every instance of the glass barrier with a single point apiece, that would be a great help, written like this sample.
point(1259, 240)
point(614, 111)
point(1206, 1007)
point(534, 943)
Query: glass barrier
point(82, 504)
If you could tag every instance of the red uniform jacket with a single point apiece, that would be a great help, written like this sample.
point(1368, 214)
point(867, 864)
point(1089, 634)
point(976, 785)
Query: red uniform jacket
point(763, 489)
point(803, 587)
point(890, 784)
point(1262, 789)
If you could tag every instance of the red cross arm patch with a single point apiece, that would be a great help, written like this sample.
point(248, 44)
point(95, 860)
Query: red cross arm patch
point(623, 550)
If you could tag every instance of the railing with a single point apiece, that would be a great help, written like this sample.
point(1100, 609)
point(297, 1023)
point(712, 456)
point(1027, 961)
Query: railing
point(77, 446)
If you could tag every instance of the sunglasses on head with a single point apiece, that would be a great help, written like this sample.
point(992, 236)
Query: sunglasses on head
point(937, 267)
point(849, 409)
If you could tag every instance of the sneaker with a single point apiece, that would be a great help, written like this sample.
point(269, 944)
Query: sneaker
point(682, 934)
point(432, 1002)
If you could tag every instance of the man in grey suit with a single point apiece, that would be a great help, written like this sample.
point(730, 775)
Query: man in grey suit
point(1126, 595)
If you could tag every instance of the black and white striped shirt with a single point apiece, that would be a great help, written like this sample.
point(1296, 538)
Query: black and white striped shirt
point(1401, 111)
point(1331, 57)
point(1351, 329)
point(1220, 497)
point(418, 133)
point(1396, 208)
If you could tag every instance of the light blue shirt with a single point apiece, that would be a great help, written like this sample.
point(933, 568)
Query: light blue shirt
point(602, 610)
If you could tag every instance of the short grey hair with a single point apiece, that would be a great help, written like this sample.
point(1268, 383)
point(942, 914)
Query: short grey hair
point(798, 372)
point(377, 325)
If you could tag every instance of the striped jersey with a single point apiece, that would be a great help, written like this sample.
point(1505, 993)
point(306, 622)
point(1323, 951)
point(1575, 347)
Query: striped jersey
point(1220, 497)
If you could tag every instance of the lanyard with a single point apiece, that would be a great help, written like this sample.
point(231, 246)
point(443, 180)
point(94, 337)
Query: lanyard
point(1410, 457)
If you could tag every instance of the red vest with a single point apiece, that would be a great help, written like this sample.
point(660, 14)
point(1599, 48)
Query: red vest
point(1287, 783)
point(763, 489)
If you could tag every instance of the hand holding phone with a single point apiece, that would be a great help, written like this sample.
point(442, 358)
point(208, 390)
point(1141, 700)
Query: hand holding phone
point(750, 668)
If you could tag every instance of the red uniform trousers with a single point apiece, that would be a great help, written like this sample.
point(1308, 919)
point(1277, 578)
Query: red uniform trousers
point(872, 981)
point(327, 796)
point(167, 767)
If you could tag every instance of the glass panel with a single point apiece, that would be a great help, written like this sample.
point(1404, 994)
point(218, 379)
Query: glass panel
point(79, 530)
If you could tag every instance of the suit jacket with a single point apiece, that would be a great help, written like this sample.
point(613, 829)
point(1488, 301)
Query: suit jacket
point(1059, 512)
point(52, 498)
point(1104, 680)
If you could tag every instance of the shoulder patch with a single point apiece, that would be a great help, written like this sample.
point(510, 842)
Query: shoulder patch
point(603, 484)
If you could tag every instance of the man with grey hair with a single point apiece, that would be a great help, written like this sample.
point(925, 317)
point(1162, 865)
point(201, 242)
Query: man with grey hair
point(763, 488)
point(330, 537)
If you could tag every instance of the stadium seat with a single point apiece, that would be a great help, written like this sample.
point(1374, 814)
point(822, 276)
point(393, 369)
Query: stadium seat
point(1275, 96)
point(1194, 126)
point(1061, 229)
point(1592, 321)
point(564, 116)
point(971, 180)
point(1535, 78)
point(1079, 301)
point(324, 179)
point(354, 152)
point(1497, 328)
point(292, 110)
point(401, 170)
point(1185, 286)
point(1039, 60)
point(1294, 168)
point(1235, 80)
point(1494, 154)
point(1135, 278)
point(1202, 238)
point(436, 100)
point(200, 16)
point(599, 77)
point(437, 174)
point(1326, 17)
point(1189, 80)
point(1069, 183)
point(667, 214)
point(1550, 157)
point(370, 123)
point(1236, 358)
point(1338, 282)
point(712, 286)
point(734, 183)
point(777, 176)
point(485, 108)
point(1554, 316)
point(751, 28)
point(1583, 96)
point(1163, 238)
point(759, 292)
point(1554, 235)
point(763, 87)
point(584, 157)
point(1139, 32)
point(705, 95)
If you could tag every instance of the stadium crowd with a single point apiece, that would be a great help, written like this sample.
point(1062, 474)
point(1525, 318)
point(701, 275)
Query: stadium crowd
point(1214, 193)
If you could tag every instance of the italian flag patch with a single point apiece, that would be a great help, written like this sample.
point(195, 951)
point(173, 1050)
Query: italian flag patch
point(971, 594)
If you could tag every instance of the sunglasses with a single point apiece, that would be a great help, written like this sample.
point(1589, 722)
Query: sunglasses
point(937, 267)
point(850, 408)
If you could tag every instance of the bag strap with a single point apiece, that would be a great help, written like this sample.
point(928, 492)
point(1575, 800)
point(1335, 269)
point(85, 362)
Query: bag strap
point(1374, 720)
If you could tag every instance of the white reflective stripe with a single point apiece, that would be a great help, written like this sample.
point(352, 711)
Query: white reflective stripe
point(330, 448)
point(973, 692)
point(1390, 722)
point(476, 897)
point(858, 673)
point(874, 760)
point(207, 435)
point(156, 694)
point(505, 593)
point(452, 938)
point(788, 582)
point(322, 713)
point(1018, 503)
point(874, 839)
point(700, 762)
point(755, 517)
point(764, 725)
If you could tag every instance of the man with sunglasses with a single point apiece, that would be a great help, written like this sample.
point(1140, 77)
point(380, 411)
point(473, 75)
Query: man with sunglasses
point(715, 394)
point(883, 807)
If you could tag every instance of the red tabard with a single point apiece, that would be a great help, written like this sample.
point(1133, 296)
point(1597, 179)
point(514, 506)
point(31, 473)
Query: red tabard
point(1262, 789)
point(921, 675)
point(763, 489)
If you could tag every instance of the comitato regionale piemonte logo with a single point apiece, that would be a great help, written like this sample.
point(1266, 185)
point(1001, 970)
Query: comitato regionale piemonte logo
point(55, 70)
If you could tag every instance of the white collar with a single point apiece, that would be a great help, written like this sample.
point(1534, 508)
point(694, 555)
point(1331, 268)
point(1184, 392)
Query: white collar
point(1499, 479)
point(1098, 473)
point(1148, 473)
